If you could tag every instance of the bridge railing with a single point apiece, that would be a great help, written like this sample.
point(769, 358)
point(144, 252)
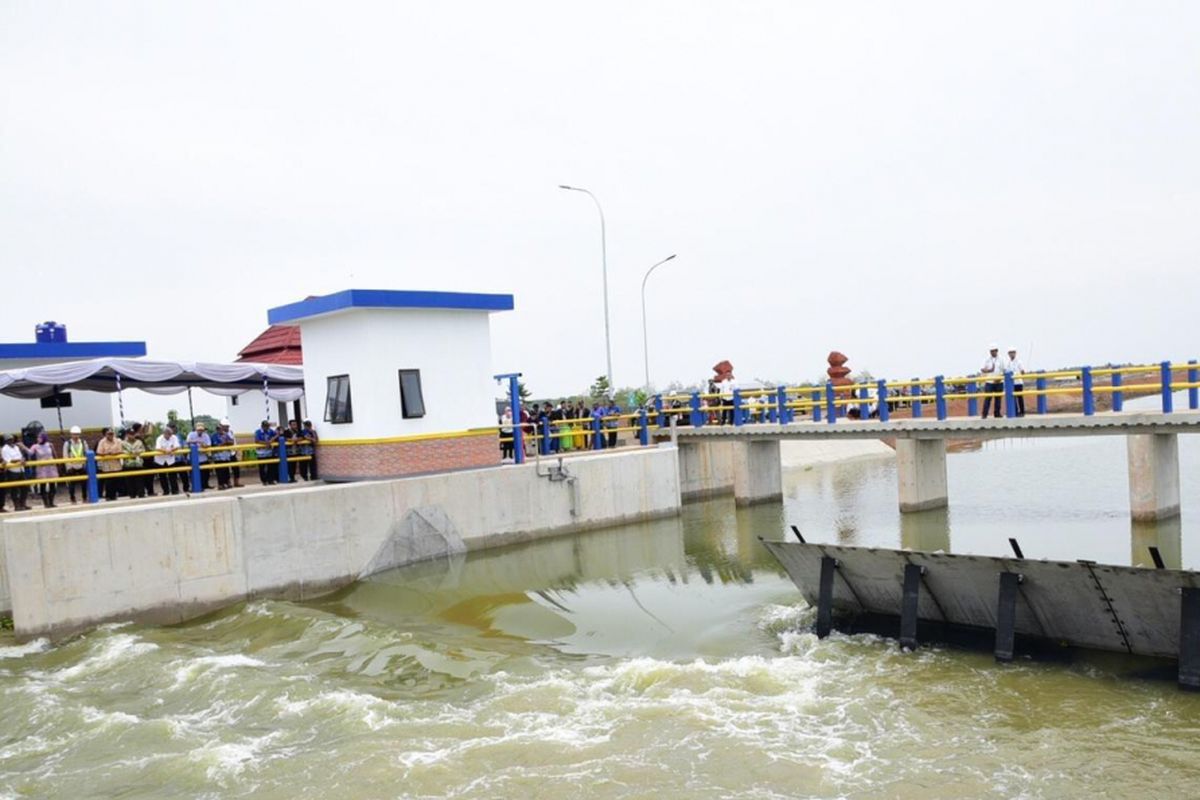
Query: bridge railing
point(192, 459)
point(1087, 389)
point(941, 397)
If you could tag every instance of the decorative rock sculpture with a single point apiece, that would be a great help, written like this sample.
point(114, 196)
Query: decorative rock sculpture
point(838, 372)
point(724, 371)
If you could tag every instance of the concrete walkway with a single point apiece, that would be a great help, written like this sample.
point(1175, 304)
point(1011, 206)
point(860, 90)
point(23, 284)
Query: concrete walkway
point(63, 504)
point(1107, 424)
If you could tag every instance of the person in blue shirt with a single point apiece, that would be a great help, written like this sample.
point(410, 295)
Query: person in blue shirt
point(308, 469)
point(612, 422)
point(266, 438)
point(223, 438)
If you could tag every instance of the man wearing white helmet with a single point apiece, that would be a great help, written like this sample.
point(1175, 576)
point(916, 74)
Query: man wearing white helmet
point(1017, 369)
point(75, 448)
point(993, 387)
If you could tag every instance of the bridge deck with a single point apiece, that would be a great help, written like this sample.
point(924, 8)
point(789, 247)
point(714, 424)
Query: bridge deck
point(1105, 424)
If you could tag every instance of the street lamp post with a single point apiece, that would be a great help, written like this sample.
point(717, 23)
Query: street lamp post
point(645, 336)
point(604, 268)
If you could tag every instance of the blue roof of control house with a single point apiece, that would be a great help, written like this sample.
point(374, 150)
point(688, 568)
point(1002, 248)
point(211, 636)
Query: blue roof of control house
point(386, 298)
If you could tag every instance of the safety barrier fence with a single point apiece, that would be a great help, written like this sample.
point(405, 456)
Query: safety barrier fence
point(877, 399)
point(87, 468)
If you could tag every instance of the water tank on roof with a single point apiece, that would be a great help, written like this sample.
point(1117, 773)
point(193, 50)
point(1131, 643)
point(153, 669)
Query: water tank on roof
point(49, 332)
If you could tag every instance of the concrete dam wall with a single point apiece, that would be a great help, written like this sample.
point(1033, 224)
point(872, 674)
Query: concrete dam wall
point(171, 561)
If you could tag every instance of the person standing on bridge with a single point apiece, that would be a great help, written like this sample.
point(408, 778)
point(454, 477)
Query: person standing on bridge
point(1017, 369)
point(993, 386)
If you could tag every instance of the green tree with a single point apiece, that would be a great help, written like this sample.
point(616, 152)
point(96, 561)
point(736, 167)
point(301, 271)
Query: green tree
point(631, 396)
point(599, 390)
point(523, 392)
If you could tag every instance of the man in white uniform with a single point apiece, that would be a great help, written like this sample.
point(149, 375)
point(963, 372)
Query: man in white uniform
point(1017, 369)
point(993, 372)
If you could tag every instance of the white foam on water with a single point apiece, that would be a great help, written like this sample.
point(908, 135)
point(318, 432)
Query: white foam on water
point(22, 650)
point(224, 760)
point(108, 653)
point(218, 715)
point(371, 711)
point(105, 719)
point(196, 666)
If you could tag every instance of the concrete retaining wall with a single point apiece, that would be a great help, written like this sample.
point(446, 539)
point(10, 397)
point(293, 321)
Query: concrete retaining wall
point(705, 469)
point(167, 562)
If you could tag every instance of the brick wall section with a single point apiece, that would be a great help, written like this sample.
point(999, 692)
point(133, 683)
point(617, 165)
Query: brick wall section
point(396, 459)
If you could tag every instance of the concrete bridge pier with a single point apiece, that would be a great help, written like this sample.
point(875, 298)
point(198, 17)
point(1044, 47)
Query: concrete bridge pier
point(921, 469)
point(1153, 476)
point(1166, 535)
point(757, 472)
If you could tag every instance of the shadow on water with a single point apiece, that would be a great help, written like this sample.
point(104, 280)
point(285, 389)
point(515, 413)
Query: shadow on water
point(672, 588)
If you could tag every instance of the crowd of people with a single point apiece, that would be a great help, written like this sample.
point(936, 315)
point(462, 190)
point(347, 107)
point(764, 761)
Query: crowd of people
point(136, 462)
point(568, 426)
point(565, 426)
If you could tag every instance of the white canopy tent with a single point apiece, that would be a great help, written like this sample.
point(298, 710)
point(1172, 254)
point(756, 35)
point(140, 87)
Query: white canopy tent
point(278, 381)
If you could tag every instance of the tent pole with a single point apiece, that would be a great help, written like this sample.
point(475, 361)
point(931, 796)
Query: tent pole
point(58, 407)
point(191, 411)
point(120, 402)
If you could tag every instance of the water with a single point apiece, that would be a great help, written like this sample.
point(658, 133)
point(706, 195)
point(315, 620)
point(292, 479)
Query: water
point(669, 659)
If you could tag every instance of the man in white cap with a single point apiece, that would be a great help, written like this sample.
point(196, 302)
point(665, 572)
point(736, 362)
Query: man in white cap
point(993, 387)
point(75, 448)
point(1017, 369)
point(201, 439)
point(223, 439)
point(165, 447)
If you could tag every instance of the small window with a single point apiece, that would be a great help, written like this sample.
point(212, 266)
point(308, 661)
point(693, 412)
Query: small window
point(60, 400)
point(337, 399)
point(412, 404)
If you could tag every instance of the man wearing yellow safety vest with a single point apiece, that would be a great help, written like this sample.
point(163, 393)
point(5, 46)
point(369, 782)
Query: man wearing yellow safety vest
point(75, 448)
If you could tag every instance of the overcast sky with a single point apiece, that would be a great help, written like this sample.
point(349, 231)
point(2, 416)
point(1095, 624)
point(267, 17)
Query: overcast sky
point(903, 182)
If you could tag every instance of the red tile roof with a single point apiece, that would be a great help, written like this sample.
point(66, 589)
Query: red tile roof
point(278, 344)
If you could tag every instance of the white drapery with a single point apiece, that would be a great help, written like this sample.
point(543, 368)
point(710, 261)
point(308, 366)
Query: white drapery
point(283, 383)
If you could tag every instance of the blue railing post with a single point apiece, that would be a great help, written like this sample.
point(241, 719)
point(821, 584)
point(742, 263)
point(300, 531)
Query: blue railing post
point(1089, 399)
point(816, 406)
point(1193, 390)
point(881, 395)
point(1042, 403)
point(864, 408)
point(972, 400)
point(544, 440)
point(1010, 399)
point(697, 417)
point(1118, 396)
point(194, 460)
point(781, 409)
point(773, 409)
point(643, 427)
point(597, 436)
point(830, 404)
point(659, 417)
point(1168, 404)
point(939, 391)
point(514, 400)
point(737, 407)
point(93, 483)
point(916, 400)
point(284, 476)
